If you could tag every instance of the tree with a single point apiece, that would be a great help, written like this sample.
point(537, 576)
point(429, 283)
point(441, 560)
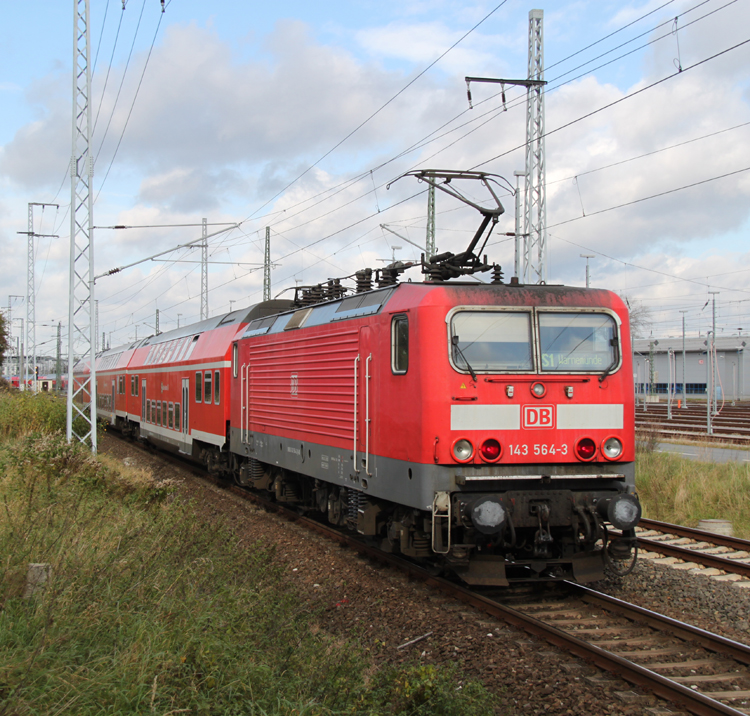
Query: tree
point(4, 340)
point(640, 318)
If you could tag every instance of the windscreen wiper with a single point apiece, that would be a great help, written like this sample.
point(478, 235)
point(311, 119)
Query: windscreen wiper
point(461, 353)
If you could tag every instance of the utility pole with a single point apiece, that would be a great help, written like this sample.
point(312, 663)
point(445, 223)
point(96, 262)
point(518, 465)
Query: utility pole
point(672, 378)
point(712, 399)
point(31, 289)
point(10, 331)
point(709, 427)
point(81, 337)
point(156, 324)
point(651, 387)
point(267, 266)
point(429, 243)
point(204, 272)
point(587, 257)
point(96, 326)
point(58, 364)
point(684, 393)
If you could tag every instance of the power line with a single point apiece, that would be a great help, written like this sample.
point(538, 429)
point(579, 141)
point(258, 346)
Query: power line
point(632, 94)
point(652, 196)
point(381, 108)
point(132, 105)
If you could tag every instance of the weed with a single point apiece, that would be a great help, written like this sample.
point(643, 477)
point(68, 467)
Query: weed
point(150, 609)
point(681, 491)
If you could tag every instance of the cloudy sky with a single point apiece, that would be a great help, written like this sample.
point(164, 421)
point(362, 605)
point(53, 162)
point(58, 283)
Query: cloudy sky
point(296, 115)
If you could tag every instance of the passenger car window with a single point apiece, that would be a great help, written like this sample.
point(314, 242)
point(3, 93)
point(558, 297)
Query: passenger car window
point(400, 345)
point(198, 387)
point(216, 387)
point(207, 387)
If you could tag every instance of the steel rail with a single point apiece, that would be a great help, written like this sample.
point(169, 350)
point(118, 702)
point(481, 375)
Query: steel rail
point(733, 649)
point(693, 555)
point(693, 533)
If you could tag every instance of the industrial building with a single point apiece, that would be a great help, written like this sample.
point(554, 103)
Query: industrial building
point(657, 362)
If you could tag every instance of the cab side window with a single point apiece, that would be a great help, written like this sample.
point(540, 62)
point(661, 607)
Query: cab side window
point(400, 345)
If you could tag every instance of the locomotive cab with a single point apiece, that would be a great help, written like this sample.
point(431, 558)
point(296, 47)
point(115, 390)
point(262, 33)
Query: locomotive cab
point(540, 439)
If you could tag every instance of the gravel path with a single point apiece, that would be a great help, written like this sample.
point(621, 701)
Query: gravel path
point(383, 610)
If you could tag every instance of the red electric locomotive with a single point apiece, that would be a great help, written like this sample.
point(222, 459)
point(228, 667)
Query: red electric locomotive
point(489, 427)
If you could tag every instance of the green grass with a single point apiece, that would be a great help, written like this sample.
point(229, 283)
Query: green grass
point(681, 491)
point(150, 610)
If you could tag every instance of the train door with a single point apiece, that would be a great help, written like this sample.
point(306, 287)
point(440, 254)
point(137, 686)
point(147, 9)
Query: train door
point(365, 407)
point(143, 403)
point(185, 411)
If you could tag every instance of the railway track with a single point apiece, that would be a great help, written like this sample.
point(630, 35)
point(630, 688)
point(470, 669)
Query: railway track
point(730, 555)
point(731, 425)
point(698, 671)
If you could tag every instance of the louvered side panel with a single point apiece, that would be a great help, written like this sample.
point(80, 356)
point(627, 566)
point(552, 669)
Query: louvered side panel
point(304, 383)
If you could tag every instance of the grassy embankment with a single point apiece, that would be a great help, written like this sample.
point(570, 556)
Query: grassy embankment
point(680, 491)
point(151, 611)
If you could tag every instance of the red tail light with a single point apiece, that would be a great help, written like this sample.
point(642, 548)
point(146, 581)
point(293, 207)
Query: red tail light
point(490, 450)
point(586, 449)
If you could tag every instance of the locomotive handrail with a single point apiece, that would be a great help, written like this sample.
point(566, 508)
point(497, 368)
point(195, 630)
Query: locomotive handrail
point(247, 400)
point(242, 403)
point(367, 416)
point(533, 377)
point(356, 417)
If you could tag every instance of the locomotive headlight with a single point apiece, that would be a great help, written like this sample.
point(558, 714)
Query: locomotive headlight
point(538, 390)
point(622, 511)
point(488, 515)
point(611, 448)
point(490, 450)
point(463, 450)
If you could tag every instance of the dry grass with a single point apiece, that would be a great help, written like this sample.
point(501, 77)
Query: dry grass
point(151, 610)
point(673, 489)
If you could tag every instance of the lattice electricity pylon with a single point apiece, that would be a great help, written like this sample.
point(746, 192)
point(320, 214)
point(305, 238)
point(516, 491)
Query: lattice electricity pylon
point(30, 337)
point(267, 266)
point(535, 201)
point(204, 272)
point(82, 401)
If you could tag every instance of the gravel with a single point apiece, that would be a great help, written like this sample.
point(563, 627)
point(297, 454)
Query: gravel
point(382, 610)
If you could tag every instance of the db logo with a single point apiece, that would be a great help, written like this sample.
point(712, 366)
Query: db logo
point(538, 416)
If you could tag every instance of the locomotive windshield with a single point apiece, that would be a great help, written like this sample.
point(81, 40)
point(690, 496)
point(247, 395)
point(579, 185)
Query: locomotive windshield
point(492, 340)
point(577, 341)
